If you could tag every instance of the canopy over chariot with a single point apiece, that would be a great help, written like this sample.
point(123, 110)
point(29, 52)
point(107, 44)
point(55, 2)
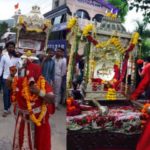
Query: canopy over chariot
point(110, 54)
point(32, 32)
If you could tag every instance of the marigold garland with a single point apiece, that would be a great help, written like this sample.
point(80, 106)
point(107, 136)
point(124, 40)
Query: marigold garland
point(71, 23)
point(88, 28)
point(111, 94)
point(23, 23)
point(14, 86)
point(144, 110)
point(69, 104)
point(115, 41)
point(29, 98)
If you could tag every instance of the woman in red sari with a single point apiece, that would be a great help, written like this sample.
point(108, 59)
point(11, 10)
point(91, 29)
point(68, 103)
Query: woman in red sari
point(34, 102)
point(144, 142)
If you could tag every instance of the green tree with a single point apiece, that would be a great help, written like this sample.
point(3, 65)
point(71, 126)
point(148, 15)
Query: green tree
point(145, 39)
point(144, 6)
point(3, 28)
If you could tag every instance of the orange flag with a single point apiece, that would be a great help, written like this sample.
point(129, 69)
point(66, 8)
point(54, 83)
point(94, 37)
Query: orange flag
point(16, 6)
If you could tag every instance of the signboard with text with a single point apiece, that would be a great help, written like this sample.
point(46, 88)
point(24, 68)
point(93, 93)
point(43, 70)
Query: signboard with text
point(90, 2)
point(54, 44)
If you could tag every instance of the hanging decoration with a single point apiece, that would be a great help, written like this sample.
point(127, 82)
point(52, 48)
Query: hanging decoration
point(71, 23)
point(113, 40)
point(87, 29)
point(111, 15)
point(111, 94)
point(74, 29)
point(87, 33)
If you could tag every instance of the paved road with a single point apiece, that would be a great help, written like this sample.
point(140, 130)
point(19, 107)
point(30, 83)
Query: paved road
point(57, 126)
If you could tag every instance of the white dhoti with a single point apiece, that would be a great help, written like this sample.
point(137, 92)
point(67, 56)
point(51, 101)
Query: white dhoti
point(57, 89)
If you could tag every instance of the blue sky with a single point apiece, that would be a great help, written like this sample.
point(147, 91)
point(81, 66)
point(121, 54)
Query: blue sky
point(7, 10)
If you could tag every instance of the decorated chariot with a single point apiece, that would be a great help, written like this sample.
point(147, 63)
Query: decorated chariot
point(105, 117)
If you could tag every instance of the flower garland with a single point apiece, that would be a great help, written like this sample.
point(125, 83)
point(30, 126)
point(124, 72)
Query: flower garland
point(115, 41)
point(88, 28)
point(111, 94)
point(28, 97)
point(73, 108)
point(69, 104)
point(23, 23)
point(14, 86)
point(71, 23)
point(144, 110)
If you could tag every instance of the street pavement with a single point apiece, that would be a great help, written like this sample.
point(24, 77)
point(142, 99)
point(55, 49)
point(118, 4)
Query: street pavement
point(58, 129)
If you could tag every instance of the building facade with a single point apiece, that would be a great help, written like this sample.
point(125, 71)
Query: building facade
point(57, 3)
point(58, 17)
point(87, 11)
point(62, 10)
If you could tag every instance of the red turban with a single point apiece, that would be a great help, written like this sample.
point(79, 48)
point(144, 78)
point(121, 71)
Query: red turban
point(33, 71)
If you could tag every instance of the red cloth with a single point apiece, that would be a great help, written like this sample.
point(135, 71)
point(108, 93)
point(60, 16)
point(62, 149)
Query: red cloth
point(33, 70)
point(145, 83)
point(117, 72)
point(144, 142)
point(42, 138)
point(139, 61)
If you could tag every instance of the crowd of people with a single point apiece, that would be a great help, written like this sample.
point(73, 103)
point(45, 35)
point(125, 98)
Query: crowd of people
point(53, 69)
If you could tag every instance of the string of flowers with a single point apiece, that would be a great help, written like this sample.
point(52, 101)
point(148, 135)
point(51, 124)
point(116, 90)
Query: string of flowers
point(111, 94)
point(14, 86)
point(23, 23)
point(133, 42)
point(29, 98)
point(88, 28)
point(69, 104)
point(144, 110)
point(116, 42)
point(71, 23)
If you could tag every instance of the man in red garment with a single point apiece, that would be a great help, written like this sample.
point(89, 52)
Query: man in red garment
point(33, 105)
point(145, 82)
point(144, 143)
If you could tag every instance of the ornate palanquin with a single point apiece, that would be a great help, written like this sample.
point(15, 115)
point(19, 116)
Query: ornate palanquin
point(33, 30)
point(110, 65)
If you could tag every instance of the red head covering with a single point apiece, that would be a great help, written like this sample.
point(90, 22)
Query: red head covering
point(139, 61)
point(33, 70)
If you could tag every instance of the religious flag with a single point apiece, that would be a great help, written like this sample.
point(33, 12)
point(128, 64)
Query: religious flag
point(16, 6)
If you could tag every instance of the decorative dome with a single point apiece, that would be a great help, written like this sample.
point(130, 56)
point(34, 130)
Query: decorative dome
point(109, 25)
point(34, 21)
